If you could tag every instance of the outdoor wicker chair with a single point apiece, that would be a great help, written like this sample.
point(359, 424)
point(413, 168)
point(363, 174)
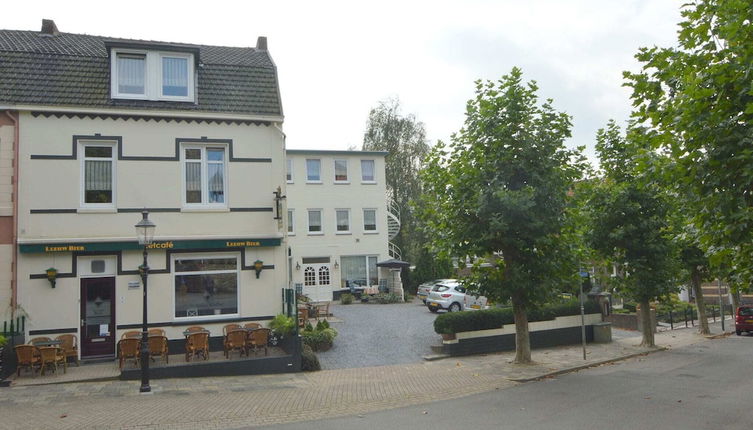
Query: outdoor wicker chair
point(128, 347)
point(258, 339)
point(251, 326)
point(51, 356)
point(133, 334)
point(228, 327)
point(28, 358)
point(156, 332)
point(197, 342)
point(158, 348)
point(236, 340)
point(39, 340)
point(70, 346)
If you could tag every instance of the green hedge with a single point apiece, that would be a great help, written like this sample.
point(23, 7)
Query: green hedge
point(456, 322)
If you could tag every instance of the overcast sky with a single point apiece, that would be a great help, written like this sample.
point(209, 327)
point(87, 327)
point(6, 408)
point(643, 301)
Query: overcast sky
point(336, 60)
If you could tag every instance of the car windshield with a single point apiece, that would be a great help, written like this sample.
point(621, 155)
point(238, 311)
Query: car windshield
point(745, 312)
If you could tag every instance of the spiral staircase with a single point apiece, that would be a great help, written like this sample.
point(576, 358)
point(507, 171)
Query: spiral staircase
point(393, 226)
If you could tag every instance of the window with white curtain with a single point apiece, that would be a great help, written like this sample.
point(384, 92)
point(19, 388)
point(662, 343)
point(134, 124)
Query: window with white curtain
point(343, 220)
point(341, 171)
point(152, 75)
point(291, 222)
point(205, 180)
point(289, 170)
point(98, 174)
point(313, 170)
point(367, 171)
point(369, 220)
point(315, 221)
point(206, 285)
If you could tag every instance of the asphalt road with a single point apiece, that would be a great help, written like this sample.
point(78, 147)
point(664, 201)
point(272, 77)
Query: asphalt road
point(703, 386)
point(376, 335)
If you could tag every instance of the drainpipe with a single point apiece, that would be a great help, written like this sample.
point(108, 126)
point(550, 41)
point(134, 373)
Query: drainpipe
point(14, 200)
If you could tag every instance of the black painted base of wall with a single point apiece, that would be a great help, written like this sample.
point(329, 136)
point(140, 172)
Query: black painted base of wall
point(539, 339)
point(251, 366)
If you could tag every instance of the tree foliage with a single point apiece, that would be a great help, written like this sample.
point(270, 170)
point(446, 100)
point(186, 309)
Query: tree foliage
point(630, 222)
point(499, 193)
point(404, 137)
point(698, 97)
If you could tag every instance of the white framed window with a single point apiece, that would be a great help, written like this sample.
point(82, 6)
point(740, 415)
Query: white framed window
point(341, 172)
point(369, 221)
point(289, 170)
point(204, 176)
point(205, 286)
point(309, 276)
point(313, 171)
point(357, 271)
point(291, 222)
point(152, 75)
point(315, 221)
point(342, 218)
point(98, 174)
point(367, 172)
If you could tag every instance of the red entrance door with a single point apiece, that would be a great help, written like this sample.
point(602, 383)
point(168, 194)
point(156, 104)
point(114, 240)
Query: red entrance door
point(97, 317)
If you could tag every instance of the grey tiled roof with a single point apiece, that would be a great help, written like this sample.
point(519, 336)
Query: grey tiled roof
point(73, 70)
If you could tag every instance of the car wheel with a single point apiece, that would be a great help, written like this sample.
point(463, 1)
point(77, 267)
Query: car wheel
point(455, 307)
point(738, 332)
point(424, 301)
point(433, 309)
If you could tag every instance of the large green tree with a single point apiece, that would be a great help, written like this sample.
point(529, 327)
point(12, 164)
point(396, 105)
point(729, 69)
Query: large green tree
point(404, 137)
point(499, 193)
point(631, 225)
point(698, 97)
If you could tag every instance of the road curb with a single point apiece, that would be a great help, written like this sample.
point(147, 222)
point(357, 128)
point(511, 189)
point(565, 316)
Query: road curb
point(588, 365)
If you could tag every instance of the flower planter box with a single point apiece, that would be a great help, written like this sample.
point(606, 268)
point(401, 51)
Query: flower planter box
point(543, 334)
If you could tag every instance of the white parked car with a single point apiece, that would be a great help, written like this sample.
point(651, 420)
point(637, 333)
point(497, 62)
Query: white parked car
point(425, 288)
point(452, 297)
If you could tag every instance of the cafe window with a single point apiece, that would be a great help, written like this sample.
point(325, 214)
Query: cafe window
point(98, 174)
point(206, 285)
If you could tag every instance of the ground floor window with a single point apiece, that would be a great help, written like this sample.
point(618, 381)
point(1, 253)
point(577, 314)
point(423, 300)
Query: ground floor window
point(206, 285)
point(358, 271)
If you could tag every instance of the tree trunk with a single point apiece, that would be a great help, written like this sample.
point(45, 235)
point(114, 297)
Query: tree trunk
point(646, 327)
point(703, 321)
point(735, 293)
point(522, 341)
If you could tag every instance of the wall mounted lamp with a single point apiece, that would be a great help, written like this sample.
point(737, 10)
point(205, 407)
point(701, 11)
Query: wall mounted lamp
point(278, 203)
point(258, 266)
point(337, 266)
point(52, 275)
point(297, 266)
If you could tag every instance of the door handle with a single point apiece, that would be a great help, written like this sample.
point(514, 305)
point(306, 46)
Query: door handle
point(83, 323)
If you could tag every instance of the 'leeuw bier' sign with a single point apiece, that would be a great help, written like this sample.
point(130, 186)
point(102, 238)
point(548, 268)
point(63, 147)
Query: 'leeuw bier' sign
point(134, 246)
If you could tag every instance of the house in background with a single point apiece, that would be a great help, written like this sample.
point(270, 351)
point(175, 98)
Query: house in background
point(339, 222)
point(104, 128)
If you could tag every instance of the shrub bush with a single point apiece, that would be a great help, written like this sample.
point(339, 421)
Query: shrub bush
point(309, 360)
point(385, 298)
point(282, 324)
point(630, 307)
point(346, 298)
point(456, 322)
point(320, 338)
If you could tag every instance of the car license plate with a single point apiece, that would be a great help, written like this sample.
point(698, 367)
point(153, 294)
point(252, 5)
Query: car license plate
point(475, 307)
point(433, 304)
point(749, 321)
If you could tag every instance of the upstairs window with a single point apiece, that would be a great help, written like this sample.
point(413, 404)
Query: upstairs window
point(204, 176)
point(341, 171)
point(315, 221)
point(369, 220)
point(152, 75)
point(313, 170)
point(367, 171)
point(289, 172)
point(343, 220)
point(98, 175)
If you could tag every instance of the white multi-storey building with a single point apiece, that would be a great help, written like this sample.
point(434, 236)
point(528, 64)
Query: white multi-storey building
point(338, 221)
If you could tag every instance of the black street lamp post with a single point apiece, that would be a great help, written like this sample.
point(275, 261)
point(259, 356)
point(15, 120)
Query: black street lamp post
point(145, 232)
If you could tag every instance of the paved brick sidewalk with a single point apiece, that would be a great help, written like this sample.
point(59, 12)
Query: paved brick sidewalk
point(232, 402)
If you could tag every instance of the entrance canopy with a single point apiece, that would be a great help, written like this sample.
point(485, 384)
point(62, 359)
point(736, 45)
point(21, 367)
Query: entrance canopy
point(393, 264)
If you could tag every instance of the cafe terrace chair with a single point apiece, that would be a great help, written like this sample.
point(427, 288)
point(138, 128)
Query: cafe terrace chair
point(70, 346)
point(251, 326)
point(303, 317)
point(228, 327)
point(158, 347)
point(128, 348)
point(156, 332)
point(39, 340)
point(133, 334)
point(195, 328)
point(28, 358)
point(197, 342)
point(51, 356)
point(258, 339)
point(236, 340)
point(322, 310)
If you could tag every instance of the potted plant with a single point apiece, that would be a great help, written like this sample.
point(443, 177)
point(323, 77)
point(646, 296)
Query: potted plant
point(282, 326)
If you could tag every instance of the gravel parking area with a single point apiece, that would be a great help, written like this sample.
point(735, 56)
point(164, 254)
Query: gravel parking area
point(375, 335)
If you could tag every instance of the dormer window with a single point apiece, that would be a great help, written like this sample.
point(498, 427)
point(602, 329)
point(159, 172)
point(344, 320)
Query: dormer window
point(152, 75)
